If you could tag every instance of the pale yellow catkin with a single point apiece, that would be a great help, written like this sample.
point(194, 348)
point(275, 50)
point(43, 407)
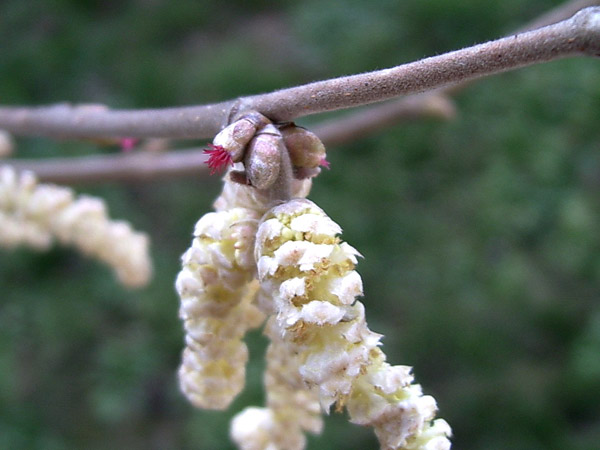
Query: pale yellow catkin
point(216, 292)
point(309, 284)
point(36, 215)
point(216, 287)
point(291, 407)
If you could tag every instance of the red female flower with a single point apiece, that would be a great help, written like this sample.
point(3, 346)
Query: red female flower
point(128, 143)
point(218, 158)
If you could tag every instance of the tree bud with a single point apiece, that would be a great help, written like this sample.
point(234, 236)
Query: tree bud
point(304, 147)
point(235, 137)
point(263, 157)
point(304, 173)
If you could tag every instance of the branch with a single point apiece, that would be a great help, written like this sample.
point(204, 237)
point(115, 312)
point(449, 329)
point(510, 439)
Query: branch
point(150, 165)
point(141, 167)
point(561, 12)
point(579, 35)
point(369, 120)
point(125, 167)
point(373, 118)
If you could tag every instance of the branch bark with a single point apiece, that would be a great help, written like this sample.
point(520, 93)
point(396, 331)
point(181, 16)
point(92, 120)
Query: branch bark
point(146, 165)
point(436, 104)
point(561, 12)
point(579, 35)
point(126, 167)
point(368, 120)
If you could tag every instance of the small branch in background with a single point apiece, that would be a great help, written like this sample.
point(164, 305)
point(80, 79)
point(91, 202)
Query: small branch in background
point(579, 35)
point(436, 104)
point(370, 120)
point(132, 167)
point(150, 162)
point(561, 12)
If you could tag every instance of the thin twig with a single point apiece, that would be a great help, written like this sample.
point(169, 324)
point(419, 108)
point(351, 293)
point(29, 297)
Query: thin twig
point(147, 165)
point(561, 12)
point(137, 167)
point(579, 35)
point(436, 104)
point(370, 120)
point(125, 167)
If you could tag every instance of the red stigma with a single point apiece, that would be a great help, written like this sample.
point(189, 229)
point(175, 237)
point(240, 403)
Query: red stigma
point(324, 163)
point(218, 158)
point(128, 143)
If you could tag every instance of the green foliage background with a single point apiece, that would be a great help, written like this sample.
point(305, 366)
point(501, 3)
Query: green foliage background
point(480, 235)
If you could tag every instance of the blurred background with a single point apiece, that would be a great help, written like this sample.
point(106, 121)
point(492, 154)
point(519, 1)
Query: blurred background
point(480, 234)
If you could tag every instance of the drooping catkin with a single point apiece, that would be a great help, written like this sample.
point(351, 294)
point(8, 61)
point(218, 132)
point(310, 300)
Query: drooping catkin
point(291, 407)
point(308, 273)
point(216, 290)
point(35, 215)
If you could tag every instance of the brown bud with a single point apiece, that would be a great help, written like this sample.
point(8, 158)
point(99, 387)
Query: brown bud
point(256, 118)
point(304, 173)
point(263, 157)
point(304, 147)
point(235, 137)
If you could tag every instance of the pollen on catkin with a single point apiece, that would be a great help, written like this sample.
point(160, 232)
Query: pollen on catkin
point(216, 290)
point(217, 287)
point(291, 407)
point(309, 284)
point(35, 215)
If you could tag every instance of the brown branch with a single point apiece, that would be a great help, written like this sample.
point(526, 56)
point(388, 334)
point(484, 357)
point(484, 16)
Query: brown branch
point(140, 167)
point(561, 12)
point(370, 120)
point(126, 167)
point(145, 164)
point(579, 35)
point(435, 104)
